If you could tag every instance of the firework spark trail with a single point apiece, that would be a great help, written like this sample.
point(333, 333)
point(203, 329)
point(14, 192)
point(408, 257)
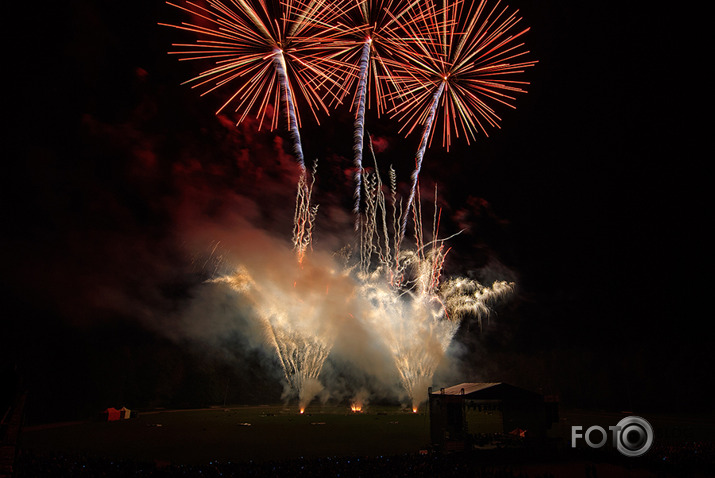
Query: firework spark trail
point(468, 297)
point(413, 327)
point(375, 215)
point(301, 350)
point(295, 317)
point(304, 217)
point(418, 324)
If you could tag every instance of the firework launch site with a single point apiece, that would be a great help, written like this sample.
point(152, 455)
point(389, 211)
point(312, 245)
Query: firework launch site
point(242, 434)
point(334, 440)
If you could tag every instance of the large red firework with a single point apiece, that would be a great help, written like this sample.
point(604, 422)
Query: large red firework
point(265, 51)
point(459, 60)
point(463, 59)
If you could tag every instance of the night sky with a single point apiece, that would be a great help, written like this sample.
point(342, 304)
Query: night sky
point(591, 197)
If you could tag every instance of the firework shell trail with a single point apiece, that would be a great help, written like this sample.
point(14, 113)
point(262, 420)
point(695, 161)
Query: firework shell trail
point(420, 154)
point(359, 133)
point(287, 97)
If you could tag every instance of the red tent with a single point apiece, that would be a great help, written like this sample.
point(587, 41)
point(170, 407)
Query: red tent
point(112, 414)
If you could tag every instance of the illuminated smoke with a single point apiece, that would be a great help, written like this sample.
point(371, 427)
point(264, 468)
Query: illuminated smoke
point(388, 311)
point(296, 305)
point(298, 319)
point(393, 292)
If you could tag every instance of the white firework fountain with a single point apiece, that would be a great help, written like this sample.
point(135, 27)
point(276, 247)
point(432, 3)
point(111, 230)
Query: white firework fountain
point(408, 306)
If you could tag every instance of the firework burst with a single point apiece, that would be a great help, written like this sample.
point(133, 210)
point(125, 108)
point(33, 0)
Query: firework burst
point(461, 61)
point(264, 50)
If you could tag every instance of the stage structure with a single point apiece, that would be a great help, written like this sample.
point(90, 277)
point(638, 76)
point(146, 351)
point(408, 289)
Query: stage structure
point(470, 413)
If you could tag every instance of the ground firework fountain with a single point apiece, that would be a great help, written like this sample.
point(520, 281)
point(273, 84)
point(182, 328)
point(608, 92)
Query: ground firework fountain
point(406, 304)
point(299, 304)
point(300, 314)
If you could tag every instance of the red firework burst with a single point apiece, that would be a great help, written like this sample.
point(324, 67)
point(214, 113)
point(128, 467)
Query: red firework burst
point(460, 60)
point(266, 51)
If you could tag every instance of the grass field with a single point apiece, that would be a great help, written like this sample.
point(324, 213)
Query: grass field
point(239, 434)
point(682, 444)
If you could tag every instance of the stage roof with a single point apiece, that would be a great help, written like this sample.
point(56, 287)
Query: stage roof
point(487, 390)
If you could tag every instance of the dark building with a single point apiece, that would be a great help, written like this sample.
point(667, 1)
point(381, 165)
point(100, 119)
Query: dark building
point(464, 412)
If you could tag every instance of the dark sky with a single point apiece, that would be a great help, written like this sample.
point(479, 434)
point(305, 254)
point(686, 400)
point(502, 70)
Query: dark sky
point(592, 193)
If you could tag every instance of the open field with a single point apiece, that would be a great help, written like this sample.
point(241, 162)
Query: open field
point(388, 439)
point(239, 434)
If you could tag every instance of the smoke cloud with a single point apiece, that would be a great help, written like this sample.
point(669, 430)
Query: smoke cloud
point(333, 334)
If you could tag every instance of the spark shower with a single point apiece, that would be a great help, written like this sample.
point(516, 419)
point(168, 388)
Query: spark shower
point(421, 62)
